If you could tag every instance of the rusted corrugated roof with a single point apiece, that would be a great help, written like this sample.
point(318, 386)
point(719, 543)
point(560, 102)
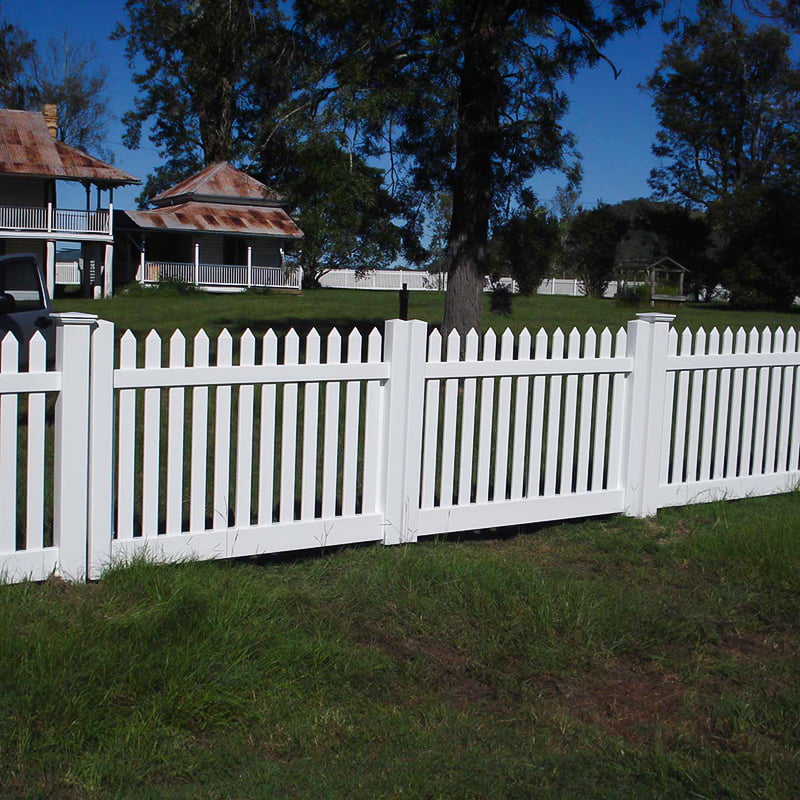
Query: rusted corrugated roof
point(220, 182)
point(214, 218)
point(27, 148)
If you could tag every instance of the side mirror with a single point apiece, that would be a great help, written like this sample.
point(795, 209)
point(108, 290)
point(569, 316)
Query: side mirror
point(7, 303)
point(43, 322)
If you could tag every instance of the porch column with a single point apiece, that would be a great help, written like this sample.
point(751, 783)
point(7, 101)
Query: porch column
point(108, 271)
point(196, 263)
point(249, 266)
point(50, 266)
point(140, 274)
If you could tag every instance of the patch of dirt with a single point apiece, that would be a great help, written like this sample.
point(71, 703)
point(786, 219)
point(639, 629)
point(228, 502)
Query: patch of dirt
point(624, 700)
point(450, 666)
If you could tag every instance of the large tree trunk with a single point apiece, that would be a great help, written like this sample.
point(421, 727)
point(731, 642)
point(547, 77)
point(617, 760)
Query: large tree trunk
point(476, 141)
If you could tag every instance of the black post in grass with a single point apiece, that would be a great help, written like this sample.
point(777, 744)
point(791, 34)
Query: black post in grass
point(404, 302)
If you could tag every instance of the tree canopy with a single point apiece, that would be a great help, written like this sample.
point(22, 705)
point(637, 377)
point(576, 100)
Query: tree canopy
point(462, 97)
point(16, 50)
point(209, 77)
point(728, 100)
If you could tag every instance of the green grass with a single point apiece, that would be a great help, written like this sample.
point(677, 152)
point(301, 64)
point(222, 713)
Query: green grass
point(607, 658)
point(165, 311)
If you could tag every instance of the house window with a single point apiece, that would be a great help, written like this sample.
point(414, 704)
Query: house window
point(234, 250)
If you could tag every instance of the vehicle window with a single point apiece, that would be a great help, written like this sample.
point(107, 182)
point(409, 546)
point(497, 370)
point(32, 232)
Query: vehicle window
point(20, 279)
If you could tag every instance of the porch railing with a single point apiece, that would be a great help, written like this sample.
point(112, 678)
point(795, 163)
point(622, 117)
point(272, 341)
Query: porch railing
point(227, 275)
point(46, 219)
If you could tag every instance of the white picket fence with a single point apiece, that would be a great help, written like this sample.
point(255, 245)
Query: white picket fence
point(269, 444)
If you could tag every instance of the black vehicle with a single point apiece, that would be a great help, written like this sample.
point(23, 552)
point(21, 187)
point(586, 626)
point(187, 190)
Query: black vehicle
point(24, 302)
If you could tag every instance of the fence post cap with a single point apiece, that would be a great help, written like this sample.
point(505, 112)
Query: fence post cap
point(654, 316)
point(74, 318)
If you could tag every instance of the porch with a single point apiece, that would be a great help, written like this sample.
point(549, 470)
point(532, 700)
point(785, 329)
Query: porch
point(65, 222)
point(229, 276)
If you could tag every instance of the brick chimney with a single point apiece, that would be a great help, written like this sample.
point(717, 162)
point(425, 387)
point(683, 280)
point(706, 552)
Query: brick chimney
point(50, 114)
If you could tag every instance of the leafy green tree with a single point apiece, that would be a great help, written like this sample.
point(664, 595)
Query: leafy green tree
point(761, 256)
point(591, 248)
point(464, 97)
point(16, 50)
point(728, 100)
point(209, 75)
point(345, 212)
point(66, 74)
point(526, 246)
point(685, 235)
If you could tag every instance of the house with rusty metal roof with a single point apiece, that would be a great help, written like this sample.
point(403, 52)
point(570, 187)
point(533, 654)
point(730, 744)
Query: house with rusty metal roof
point(219, 229)
point(33, 164)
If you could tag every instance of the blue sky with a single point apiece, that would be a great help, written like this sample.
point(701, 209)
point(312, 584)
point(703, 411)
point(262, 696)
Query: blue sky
point(612, 119)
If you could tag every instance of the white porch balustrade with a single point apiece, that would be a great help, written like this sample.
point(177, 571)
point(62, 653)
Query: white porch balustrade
point(229, 275)
point(46, 219)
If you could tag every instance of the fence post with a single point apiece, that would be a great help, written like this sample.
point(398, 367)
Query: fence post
point(405, 351)
point(644, 412)
point(101, 449)
point(71, 442)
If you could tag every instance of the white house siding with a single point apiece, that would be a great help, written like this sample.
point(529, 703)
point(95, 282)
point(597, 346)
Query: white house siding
point(35, 246)
point(20, 192)
point(210, 249)
point(266, 253)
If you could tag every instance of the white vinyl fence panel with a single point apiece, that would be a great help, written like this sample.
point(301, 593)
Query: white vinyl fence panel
point(222, 448)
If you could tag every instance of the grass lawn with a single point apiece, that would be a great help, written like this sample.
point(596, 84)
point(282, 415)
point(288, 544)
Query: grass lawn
point(614, 658)
point(142, 311)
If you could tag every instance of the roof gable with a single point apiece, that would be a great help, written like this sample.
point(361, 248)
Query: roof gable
point(219, 183)
point(28, 149)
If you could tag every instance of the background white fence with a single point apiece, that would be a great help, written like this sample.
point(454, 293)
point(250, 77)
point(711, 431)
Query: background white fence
point(418, 280)
point(269, 444)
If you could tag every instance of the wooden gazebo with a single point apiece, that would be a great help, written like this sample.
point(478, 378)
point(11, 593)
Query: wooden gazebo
point(665, 277)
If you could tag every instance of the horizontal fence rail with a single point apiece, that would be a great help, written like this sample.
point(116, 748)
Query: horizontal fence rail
point(216, 448)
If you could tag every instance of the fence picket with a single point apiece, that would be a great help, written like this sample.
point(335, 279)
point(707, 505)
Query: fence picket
point(126, 443)
point(175, 434)
point(762, 399)
point(584, 439)
point(151, 438)
point(750, 389)
point(772, 426)
point(709, 410)
point(449, 425)
point(308, 498)
point(468, 404)
point(373, 424)
point(615, 477)
point(330, 457)
point(737, 399)
point(695, 411)
point(723, 409)
point(787, 383)
point(535, 451)
point(553, 420)
point(570, 414)
point(244, 436)
point(36, 464)
point(199, 447)
point(222, 439)
point(601, 418)
point(266, 441)
point(352, 421)
point(430, 441)
point(289, 432)
point(503, 415)
point(486, 422)
point(520, 421)
point(9, 403)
